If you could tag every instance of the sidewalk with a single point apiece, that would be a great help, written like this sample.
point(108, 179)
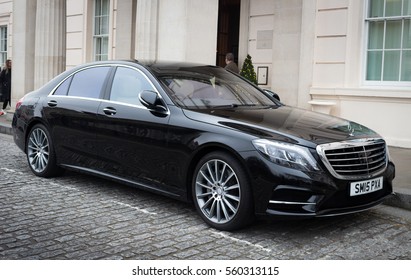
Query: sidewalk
point(402, 182)
point(5, 123)
point(400, 156)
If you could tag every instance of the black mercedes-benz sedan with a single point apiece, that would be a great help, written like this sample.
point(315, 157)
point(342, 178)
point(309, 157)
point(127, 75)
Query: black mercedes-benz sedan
point(202, 134)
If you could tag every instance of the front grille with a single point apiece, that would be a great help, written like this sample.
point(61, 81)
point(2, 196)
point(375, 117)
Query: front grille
point(355, 159)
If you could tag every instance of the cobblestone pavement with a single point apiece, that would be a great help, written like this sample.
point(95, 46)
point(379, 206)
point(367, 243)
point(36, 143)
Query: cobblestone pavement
point(83, 217)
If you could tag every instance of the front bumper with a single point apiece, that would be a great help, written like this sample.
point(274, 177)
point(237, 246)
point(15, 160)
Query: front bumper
point(280, 191)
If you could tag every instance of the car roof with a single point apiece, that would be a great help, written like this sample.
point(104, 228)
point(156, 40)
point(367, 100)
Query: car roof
point(154, 64)
point(157, 67)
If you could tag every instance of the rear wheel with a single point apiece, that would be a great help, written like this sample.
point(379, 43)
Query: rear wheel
point(221, 192)
point(40, 152)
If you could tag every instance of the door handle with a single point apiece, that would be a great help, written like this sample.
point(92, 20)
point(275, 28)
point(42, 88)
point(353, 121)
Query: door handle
point(109, 111)
point(52, 103)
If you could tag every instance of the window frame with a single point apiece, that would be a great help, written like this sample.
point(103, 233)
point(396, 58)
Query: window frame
point(98, 37)
point(3, 41)
point(384, 19)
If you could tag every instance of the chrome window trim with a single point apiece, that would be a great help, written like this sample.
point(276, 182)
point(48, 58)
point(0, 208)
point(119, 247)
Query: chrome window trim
point(321, 149)
point(75, 97)
point(51, 94)
point(74, 73)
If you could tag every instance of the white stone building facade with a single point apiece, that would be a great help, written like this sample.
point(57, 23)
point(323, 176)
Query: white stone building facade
point(351, 57)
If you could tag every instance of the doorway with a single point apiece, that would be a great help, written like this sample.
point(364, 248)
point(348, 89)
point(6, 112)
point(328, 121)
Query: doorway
point(228, 30)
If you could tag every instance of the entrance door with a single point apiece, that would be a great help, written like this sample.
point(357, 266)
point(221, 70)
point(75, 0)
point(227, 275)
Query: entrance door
point(228, 30)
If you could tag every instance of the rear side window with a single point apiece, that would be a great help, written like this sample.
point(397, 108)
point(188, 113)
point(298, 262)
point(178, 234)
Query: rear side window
point(127, 85)
point(87, 83)
point(63, 88)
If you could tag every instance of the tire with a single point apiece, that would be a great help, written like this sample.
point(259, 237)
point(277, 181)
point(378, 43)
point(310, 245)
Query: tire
point(221, 192)
point(40, 153)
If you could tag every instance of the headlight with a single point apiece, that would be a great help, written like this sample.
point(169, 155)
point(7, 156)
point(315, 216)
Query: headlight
point(287, 155)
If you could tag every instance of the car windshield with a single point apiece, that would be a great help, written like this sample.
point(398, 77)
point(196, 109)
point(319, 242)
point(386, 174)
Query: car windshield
point(210, 87)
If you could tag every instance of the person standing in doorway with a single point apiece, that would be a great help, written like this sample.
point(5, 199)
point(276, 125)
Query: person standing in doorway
point(231, 65)
point(5, 86)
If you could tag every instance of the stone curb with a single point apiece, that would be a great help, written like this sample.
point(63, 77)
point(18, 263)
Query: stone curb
point(401, 199)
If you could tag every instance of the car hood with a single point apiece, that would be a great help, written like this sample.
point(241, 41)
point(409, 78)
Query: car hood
point(284, 123)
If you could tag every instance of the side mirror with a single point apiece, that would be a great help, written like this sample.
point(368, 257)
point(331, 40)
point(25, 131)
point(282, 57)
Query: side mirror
point(152, 101)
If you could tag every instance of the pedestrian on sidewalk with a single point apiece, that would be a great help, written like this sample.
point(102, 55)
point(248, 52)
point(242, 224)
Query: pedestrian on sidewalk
point(5, 86)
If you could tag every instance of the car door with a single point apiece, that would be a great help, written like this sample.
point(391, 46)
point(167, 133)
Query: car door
point(71, 111)
point(132, 140)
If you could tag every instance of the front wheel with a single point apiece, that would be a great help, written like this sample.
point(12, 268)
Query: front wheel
point(40, 152)
point(221, 192)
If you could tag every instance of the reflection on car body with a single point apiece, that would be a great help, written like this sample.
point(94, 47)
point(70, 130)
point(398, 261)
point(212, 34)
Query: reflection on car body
point(200, 133)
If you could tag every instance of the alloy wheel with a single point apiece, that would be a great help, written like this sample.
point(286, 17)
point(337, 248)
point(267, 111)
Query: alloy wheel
point(38, 150)
point(218, 191)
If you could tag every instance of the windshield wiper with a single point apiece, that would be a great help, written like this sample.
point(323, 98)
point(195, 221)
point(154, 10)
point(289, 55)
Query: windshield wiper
point(235, 105)
point(227, 106)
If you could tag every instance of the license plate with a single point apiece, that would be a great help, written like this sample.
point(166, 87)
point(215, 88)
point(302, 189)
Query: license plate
point(367, 186)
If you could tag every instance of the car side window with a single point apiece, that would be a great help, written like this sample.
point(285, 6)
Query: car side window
point(89, 82)
point(63, 87)
point(127, 85)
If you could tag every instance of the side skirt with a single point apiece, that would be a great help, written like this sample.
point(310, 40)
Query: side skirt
point(124, 181)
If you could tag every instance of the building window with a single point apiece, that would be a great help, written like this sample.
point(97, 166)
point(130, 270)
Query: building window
point(389, 41)
point(101, 29)
point(3, 45)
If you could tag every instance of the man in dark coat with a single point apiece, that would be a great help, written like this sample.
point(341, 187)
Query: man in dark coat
point(229, 60)
point(5, 86)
